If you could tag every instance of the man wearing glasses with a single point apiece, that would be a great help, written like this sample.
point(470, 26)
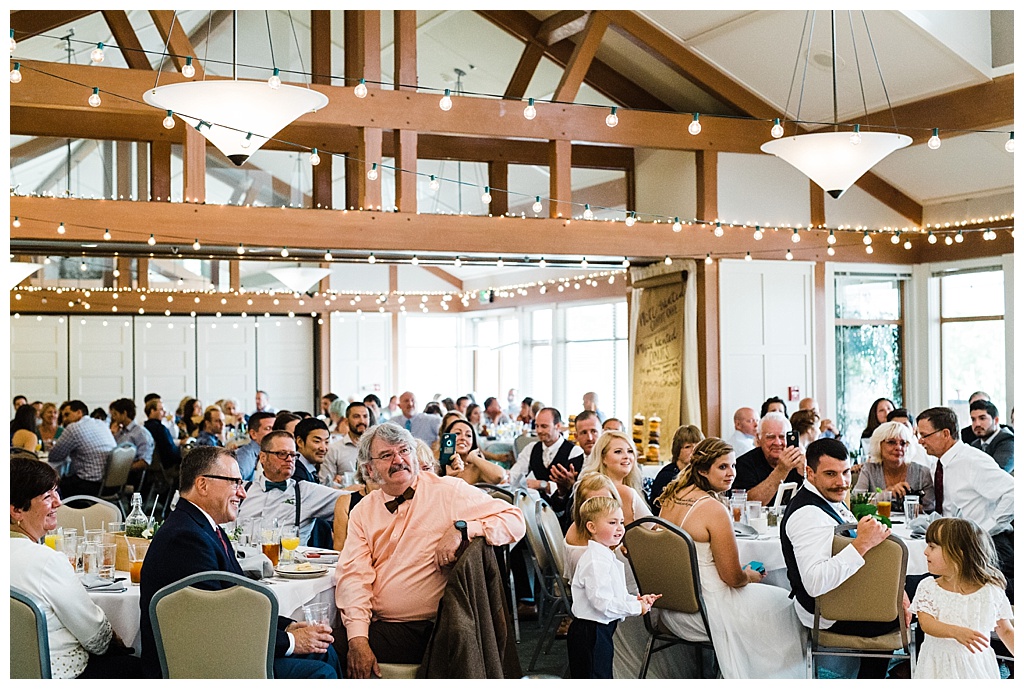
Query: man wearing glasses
point(191, 541)
point(274, 494)
point(403, 541)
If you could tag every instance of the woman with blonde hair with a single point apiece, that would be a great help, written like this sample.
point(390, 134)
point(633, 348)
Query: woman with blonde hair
point(692, 502)
point(615, 456)
point(888, 467)
point(48, 429)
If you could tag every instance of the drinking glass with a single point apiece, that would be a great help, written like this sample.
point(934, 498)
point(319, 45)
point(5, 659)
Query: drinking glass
point(55, 540)
point(317, 613)
point(271, 541)
point(289, 542)
point(91, 559)
point(884, 503)
point(912, 507)
point(737, 503)
point(71, 549)
point(94, 535)
point(115, 527)
point(752, 509)
point(107, 560)
point(136, 554)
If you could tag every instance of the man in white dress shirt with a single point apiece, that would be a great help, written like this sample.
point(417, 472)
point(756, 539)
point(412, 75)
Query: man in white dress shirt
point(807, 531)
point(343, 453)
point(534, 463)
point(744, 420)
point(969, 483)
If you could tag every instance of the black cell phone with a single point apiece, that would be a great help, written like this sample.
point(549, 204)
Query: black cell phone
point(792, 439)
point(447, 450)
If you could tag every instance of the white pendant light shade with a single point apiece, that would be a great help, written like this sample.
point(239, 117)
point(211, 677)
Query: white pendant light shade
point(16, 272)
point(299, 279)
point(230, 110)
point(831, 160)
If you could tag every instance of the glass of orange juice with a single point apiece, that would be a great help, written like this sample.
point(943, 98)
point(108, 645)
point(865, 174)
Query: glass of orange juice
point(884, 503)
point(289, 542)
point(136, 554)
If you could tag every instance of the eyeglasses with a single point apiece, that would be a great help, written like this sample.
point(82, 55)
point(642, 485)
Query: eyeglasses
point(893, 442)
point(229, 479)
point(283, 454)
point(389, 457)
point(928, 435)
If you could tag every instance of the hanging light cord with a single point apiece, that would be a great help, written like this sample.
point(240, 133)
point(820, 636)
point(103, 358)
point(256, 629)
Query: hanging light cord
point(164, 54)
point(878, 67)
point(807, 59)
point(796, 64)
point(856, 59)
point(270, 36)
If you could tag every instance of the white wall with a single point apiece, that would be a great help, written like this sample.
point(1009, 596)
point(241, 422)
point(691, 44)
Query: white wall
point(361, 355)
point(39, 358)
point(284, 363)
point(766, 314)
point(100, 359)
point(165, 357)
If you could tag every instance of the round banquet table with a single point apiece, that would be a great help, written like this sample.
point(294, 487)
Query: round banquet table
point(122, 608)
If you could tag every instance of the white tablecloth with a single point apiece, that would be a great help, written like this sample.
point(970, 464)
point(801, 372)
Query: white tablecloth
point(122, 609)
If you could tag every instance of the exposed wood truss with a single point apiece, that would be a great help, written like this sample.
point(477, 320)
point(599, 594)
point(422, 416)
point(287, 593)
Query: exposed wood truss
point(179, 44)
point(29, 23)
point(126, 39)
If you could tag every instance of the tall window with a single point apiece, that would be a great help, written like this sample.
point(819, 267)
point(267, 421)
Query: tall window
point(972, 332)
point(869, 347)
point(541, 350)
point(597, 357)
point(431, 356)
point(496, 355)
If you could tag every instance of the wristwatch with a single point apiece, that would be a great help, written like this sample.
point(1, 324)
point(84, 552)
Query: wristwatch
point(463, 528)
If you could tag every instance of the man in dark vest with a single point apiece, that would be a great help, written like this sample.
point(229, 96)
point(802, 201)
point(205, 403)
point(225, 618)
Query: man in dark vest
point(537, 459)
point(807, 531)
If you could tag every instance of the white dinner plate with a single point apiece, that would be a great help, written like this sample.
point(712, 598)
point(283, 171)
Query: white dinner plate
point(292, 571)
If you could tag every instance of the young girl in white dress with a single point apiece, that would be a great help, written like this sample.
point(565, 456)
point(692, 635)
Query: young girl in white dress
point(958, 610)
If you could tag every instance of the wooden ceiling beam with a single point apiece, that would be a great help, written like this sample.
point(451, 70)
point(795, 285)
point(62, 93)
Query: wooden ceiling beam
point(600, 76)
point(562, 25)
point(401, 234)
point(582, 57)
point(178, 44)
point(525, 69)
point(126, 38)
point(42, 105)
point(29, 23)
point(444, 275)
point(34, 148)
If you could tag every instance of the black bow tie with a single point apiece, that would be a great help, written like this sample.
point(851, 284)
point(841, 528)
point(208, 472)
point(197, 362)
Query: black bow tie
point(392, 505)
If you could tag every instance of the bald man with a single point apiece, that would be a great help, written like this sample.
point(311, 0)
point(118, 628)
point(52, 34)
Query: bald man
point(745, 423)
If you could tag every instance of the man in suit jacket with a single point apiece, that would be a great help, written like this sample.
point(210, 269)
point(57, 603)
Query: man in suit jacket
point(990, 437)
point(190, 541)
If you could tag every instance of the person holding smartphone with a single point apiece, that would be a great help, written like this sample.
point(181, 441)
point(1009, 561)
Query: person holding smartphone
point(773, 460)
point(468, 461)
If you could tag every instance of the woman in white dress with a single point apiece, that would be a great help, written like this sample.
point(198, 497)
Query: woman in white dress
point(755, 630)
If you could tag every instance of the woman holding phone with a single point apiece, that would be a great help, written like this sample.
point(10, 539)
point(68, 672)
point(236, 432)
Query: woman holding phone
point(468, 462)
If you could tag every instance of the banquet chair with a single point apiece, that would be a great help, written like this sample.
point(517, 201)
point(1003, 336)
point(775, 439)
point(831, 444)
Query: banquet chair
point(543, 592)
point(30, 653)
point(522, 441)
point(162, 482)
point(505, 494)
point(553, 543)
point(664, 560)
point(96, 516)
point(873, 594)
point(227, 633)
point(115, 476)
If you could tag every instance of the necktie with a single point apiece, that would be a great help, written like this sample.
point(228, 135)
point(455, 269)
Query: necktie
point(408, 424)
point(279, 485)
point(938, 486)
point(392, 505)
point(220, 537)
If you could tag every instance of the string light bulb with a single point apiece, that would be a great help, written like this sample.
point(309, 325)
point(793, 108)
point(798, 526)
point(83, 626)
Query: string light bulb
point(314, 157)
point(189, 70)
point(13, 42)
point(16, 223)
point(106, 235)
point(796, 236)
point(694, 126)
point(274, 81)
point(707, 259)
point(758, 234)
point(855, 137)
point(895, 239)
point(529, 112)
point(151, 241)
point(631, 219)
point(831, 237)
point(1009, 146)
point(719, 230)
point(934, 142)
point(949, 240)
point(360, 90)
point(543, 263)
point(867, 238)
point(869, 249)
point(676, 225)
point(446, 100)
point(240, 250)
point(777, 130)
point(959, 238)
point(61, 229)
point(16, 73)
point(169, 120)
point(415, 260)
point(931, 237)
point(196, 246)
point(97, 54)
point(284, 252)
point(625, 262)
point(583, 264)
point(747, 257)
point(612, 119)
point(831, 251)
point(247, 141)
point(486, 196)
point(328, 256)
point(587, 213)
point(434, 184)
point(668, 260)
point(458, 262)
point(907, 245)
point(94, 99)
point(372, 173)
point(501, 262)
point(537, 206)
point(371, 259)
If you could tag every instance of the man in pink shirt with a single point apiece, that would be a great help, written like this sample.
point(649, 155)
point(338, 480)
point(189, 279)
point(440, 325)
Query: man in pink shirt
point(402, 542)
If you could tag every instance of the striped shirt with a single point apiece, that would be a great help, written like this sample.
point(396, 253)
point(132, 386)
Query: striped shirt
point(86, 443)
point(141, 438)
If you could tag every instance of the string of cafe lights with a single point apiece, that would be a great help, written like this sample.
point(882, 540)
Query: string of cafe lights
point(630, 217)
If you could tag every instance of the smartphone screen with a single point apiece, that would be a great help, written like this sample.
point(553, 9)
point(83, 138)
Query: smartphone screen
point(447, 449)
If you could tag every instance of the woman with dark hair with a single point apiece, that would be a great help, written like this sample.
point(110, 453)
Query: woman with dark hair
point(23, 428)
point(691, 501)
point(433, 408)
point(877, 415)
point(469, 462)
point(805, 425)
point(774, 404)
point(474, 414)
point(82, 642)
point(191, 417)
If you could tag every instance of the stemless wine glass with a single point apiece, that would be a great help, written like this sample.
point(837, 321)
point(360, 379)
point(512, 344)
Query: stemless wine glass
point(289, 542)
point(271, 540)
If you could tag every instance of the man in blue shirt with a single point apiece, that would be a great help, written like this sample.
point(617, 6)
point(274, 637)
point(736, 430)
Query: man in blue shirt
point(213, 428)
point(260, 423)
point(423, 426)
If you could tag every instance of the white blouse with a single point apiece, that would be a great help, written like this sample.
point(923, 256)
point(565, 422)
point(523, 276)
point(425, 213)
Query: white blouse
point(75, 625)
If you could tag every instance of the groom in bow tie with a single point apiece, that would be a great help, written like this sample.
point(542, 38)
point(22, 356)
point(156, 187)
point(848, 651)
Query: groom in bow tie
point(403, 540)
point(275, 494)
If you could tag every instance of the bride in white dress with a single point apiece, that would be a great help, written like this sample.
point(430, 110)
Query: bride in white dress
point(755, 630)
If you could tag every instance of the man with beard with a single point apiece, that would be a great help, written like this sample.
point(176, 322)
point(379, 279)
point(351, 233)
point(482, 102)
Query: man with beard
point(276, 495)
point(341, 454)
point(403, 543)
point(311, 439)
